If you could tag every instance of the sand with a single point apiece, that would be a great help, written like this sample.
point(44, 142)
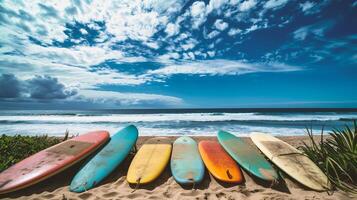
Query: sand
point(165, 187)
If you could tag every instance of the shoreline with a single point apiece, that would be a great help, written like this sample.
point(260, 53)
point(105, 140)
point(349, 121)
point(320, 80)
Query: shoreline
point(165, 187)
point(202, 122)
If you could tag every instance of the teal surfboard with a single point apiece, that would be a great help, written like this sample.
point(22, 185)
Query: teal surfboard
point(247, 157)
point(106, 160)
point(186, 163)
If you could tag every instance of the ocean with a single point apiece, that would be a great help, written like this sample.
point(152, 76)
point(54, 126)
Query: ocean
point(196, 122)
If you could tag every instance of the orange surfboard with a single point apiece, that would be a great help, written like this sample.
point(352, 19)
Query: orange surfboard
point(219, 163)
point(50, 161)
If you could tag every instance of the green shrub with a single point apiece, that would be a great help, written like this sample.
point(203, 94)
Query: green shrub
point(15, 148)
point(336, 156)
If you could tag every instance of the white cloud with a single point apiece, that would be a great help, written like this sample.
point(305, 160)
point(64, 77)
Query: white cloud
point(190, 44)
point(94, 26)
point(213, 34)
point(172, 29)
point(137, 20)
point(301, 33)
point(83, 31)
point(252, 28)
point(191, 55)
point(71, 65)
point(220, 24)
point(140, 24)
point(86, 81)
point(216, 5)
point(167, 57)
point(221, 67)
point(182, 36)
point(307, 5)
point(247, 5)
point(316, 30)
point(78, 77)
point(44, 27)
point(124, 99)
point(211, 53)
point(275, 4)
point(201, 54)
point(310, 7)
point(198, 13)
point(187, 46)
point(234, 31)
point(153, 45)
point(78, 56)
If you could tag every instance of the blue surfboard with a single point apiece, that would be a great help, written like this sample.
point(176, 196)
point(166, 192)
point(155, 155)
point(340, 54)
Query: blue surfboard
point(247, 156)
point(186, 163)
point(106, 160)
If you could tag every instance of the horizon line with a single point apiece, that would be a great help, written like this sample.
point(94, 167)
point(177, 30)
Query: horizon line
point(314, 109)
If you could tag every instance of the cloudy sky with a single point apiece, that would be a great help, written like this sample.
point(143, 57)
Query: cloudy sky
point(177, 53)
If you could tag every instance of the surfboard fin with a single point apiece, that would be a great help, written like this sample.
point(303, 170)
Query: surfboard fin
point(193, 183)
point(229, 174)
point(134, 149)
point(137, 185)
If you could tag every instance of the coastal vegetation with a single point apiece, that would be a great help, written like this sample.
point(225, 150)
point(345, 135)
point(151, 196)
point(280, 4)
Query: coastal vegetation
point(15, 148)
point(336, 155)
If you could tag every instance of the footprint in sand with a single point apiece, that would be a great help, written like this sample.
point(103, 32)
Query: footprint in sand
point(85, 195)
point(49, 196)
point(110, 194)
point(134, 195)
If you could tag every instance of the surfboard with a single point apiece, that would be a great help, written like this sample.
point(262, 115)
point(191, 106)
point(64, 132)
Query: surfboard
point(291, 161)
point(219, 163)
point(248, 157)
point(186, 163)
point(150, 161)
point(106, 160)
point(50, 161)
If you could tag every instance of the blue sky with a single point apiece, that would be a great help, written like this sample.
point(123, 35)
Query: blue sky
point(178, 54)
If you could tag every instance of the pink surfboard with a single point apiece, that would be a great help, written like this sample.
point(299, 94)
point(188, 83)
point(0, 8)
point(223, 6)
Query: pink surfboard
point(50, 161)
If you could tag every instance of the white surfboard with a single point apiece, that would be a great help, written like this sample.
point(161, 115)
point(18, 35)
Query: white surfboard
point(291, 161)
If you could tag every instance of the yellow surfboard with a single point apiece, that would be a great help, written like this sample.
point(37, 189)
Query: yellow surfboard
point(150, 161)
point(291, 161)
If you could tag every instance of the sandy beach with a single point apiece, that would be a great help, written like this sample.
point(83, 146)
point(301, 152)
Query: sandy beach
point(165, 187)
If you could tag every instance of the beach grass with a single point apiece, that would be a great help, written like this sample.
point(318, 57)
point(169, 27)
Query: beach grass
point(336, 156)
point(15, 148)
